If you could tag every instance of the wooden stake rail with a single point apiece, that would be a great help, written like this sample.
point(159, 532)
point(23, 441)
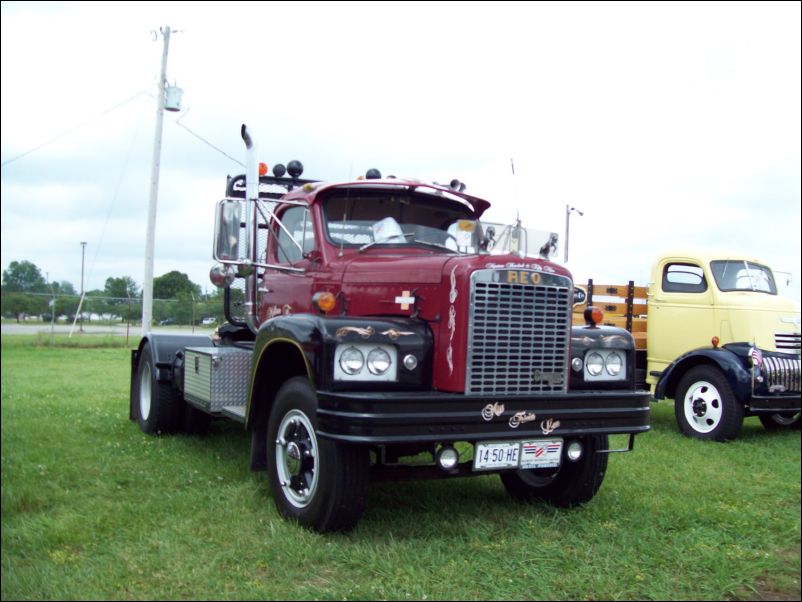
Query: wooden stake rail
point(624, 305)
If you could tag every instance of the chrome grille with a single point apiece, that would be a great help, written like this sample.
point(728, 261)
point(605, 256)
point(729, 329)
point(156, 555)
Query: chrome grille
point(788, 342)
point(518, 334)
point(782, 374)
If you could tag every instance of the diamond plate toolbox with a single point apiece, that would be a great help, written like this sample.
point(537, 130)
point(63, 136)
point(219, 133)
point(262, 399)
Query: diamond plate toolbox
point(216, 376)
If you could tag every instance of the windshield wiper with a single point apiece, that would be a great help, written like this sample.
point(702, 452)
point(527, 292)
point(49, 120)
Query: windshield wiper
point(433, 244)
point(379, 242)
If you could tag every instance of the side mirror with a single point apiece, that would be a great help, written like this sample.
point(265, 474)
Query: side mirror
point(227, 231)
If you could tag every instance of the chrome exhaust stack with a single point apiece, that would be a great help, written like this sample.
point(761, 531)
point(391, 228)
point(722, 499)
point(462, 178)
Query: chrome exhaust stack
point(248, 269)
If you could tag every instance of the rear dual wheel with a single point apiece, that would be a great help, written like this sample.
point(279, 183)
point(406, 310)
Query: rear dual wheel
point(571, 484)
point(157, 406)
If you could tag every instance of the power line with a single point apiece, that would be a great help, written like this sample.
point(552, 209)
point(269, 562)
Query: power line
point(199, 137)
point(71, 130)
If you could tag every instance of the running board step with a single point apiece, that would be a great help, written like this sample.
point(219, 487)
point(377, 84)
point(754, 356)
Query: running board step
point(234, 412)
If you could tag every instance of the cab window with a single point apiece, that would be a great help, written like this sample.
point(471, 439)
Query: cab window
point(297, 237)
point(684, 278)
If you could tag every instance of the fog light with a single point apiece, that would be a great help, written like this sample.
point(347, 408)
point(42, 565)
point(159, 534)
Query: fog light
point(447, 457)
point(577, 364)
point(574, 451)
point(410, 362)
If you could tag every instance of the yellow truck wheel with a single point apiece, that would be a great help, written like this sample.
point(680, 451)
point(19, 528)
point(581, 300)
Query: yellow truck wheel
point(706, 407)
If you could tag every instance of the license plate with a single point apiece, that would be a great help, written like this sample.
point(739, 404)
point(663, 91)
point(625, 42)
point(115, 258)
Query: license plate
point(534, 453)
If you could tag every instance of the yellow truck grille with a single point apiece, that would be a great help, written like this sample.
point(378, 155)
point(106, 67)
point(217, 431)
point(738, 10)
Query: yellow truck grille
point(788, 342)
point(782, 374)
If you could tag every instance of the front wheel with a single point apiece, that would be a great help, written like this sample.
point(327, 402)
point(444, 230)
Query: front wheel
point(320, 483)
point(706, 407)
point(573, 483)
point(774, 422)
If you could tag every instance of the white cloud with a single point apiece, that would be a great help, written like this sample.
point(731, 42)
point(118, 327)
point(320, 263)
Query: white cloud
point(667, 124)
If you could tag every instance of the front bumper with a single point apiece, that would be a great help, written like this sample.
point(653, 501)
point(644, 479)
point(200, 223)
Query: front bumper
point(775, 404)
point(407, 417)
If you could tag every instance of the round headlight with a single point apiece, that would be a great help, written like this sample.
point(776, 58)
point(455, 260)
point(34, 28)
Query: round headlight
point(614, 363)
point(378, 361)
point(352, 360)
point(594, 363)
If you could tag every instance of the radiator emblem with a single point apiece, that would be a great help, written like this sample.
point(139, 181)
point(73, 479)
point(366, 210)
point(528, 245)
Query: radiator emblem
point(551, 378)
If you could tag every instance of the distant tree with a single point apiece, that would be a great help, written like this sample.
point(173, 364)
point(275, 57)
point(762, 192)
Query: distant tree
point(66, 298)
point(20, 278)
point(172, 284)
point(122, 293)
point(173, 295)
point(23, 277)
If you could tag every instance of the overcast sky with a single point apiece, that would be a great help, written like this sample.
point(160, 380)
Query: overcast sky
point(667, 124)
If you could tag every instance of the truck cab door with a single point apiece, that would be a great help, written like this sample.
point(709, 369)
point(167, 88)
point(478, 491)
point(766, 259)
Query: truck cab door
point(681, 313)
point(287, 288)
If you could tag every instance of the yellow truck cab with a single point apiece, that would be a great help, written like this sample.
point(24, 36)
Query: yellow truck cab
point(715, 336)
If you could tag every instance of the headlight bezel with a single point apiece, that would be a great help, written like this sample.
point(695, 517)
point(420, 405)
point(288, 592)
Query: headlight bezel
point(379, 362)
point(605, 365)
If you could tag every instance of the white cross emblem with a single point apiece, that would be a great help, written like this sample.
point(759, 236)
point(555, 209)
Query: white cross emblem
point(405, 300)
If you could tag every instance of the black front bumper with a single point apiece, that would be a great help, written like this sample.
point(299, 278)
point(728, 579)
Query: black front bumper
point(774, 404)
point(406, 417)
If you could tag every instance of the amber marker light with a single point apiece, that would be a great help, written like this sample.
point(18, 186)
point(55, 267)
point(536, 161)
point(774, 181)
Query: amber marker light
point(593, 316)
point(324, 301)
point(262, 169)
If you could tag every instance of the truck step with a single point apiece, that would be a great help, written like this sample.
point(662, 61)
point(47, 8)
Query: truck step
point(234, 412)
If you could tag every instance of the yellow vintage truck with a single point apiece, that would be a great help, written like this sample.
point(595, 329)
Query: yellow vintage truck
point(713, 334)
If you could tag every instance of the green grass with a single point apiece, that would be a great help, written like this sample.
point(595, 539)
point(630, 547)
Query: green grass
point(94, 509)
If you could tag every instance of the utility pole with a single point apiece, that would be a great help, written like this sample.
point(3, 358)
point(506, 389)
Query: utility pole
point(568, 211)
point(83, 256)
point(150, 240)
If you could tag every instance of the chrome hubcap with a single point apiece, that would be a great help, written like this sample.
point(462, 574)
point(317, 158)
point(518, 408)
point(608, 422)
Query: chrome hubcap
point(296, 458)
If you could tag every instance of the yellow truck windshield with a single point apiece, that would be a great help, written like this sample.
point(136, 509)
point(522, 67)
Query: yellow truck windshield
point(737, 275)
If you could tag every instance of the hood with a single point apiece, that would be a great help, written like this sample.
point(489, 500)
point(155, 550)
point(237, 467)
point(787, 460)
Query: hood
point(395, 269)
point(768, 321)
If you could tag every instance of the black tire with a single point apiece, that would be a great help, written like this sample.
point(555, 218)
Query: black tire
point(706, 407)
point(194, 421)
point(572, 484)
point(320, 483)
point(774, 422)
point(157, 406)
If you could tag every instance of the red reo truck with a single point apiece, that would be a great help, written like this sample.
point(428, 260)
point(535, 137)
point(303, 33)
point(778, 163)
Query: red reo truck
point(378, 330)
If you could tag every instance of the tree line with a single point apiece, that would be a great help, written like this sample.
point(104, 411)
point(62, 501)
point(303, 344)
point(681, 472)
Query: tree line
point(176, 299)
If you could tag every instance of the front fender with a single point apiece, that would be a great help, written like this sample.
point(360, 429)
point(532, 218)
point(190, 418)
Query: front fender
point(586, 338)
point(733, 361)
point(305, 344)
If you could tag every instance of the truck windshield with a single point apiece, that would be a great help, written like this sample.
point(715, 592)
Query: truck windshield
point(732, 275)
point(398, 217)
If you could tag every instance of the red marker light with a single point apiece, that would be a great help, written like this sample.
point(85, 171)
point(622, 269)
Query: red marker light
point(715, 341)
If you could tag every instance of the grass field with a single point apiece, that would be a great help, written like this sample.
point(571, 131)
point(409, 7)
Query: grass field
point(93, 509)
